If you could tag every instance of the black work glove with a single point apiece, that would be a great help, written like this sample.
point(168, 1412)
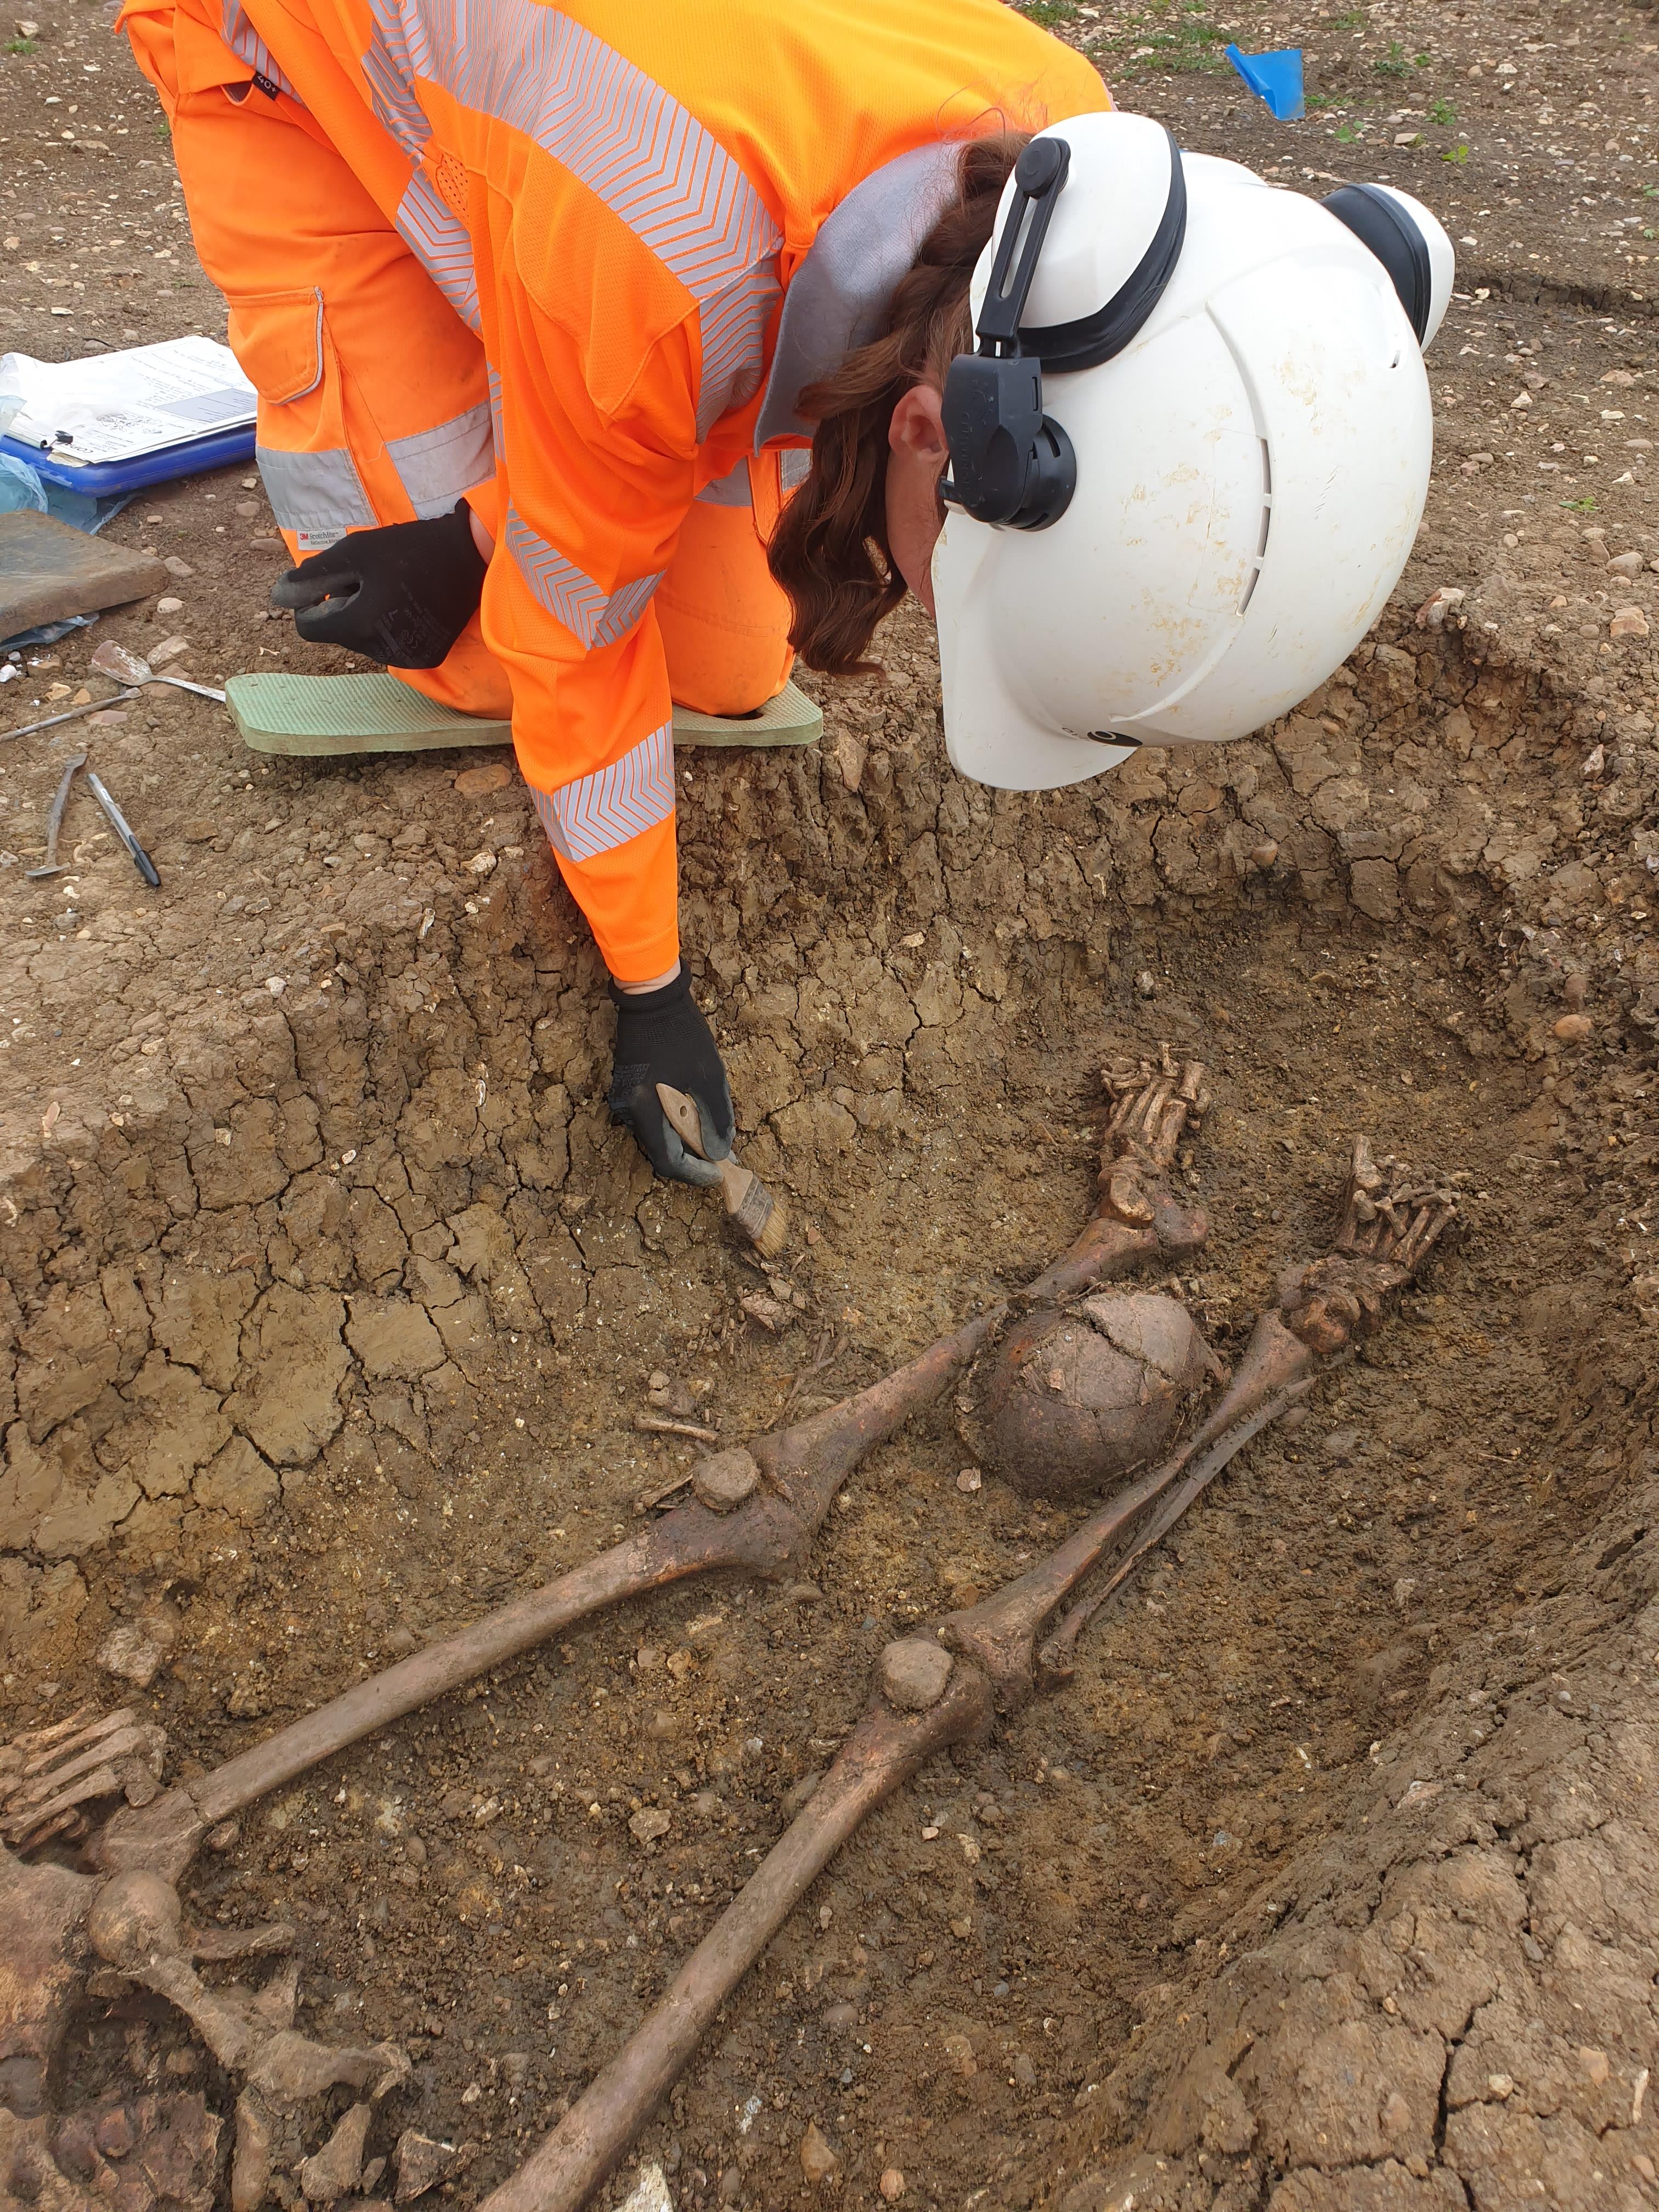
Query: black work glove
point(402, 595)
point(662, 1038)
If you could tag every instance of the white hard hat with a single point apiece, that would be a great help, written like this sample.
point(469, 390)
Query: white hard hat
point(1193, 514)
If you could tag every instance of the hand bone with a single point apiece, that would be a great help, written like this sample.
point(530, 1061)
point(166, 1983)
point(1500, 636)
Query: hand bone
point(48, 1774)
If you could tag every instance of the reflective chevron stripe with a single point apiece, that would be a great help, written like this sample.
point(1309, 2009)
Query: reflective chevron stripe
point(248, 46)
point(586, 612)
point(734, 344)
point(735, 490)
point(650, 160)
point(600, 812)
point(390, 71)
point(652, 163)
point(320, 495)
point(440, 242)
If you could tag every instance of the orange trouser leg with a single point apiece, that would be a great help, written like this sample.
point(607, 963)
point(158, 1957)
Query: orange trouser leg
point(373, 401)
point(724, 623)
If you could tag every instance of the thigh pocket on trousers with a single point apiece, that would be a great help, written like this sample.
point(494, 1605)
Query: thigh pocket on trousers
point(315, 489)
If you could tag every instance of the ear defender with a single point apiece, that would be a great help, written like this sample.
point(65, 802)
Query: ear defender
point(1011, 465)
point(1378, 220)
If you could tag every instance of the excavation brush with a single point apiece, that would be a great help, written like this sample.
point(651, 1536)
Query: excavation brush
point(749, 1207)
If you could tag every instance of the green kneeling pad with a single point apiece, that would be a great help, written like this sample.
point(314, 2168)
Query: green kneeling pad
point(791, 719)
point(376, 714)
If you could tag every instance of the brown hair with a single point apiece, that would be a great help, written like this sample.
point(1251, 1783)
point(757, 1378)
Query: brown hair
point(830, 551)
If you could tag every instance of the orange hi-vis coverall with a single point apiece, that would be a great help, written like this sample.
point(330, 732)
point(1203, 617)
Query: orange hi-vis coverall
point(576, 263)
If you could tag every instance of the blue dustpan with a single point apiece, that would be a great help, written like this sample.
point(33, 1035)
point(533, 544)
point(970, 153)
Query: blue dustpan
point(1275, 78)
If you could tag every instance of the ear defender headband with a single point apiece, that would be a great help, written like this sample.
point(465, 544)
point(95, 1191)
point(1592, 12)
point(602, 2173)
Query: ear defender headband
point(1011, 465)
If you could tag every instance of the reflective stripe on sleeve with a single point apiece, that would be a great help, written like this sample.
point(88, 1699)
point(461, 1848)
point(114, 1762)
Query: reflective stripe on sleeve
point(599, 116)
point(318, 497)
point(440, 242)
point(734, 344)
point(435, 467)
point(390, 68)
point(736, 489)
point(598, 812)
point(595, 616)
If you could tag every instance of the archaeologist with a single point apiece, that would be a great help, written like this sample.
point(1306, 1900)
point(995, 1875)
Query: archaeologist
point(545, 309)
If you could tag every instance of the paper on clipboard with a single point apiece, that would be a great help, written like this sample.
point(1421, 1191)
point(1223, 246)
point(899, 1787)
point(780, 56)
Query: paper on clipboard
point(116, 406)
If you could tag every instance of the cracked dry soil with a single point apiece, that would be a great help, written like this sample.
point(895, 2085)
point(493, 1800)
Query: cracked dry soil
point(330, 1299)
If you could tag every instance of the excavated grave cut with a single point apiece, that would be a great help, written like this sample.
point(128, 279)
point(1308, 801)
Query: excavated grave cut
point(337, 1336)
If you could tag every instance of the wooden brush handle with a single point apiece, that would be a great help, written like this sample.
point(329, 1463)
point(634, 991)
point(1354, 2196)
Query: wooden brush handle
point(683, 1118)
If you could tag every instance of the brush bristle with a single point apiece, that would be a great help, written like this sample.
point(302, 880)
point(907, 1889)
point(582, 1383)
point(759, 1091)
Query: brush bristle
point(774, 1231)
point(760, 1218)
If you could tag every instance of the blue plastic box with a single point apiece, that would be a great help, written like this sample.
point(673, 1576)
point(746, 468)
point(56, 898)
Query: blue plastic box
point(220, 449)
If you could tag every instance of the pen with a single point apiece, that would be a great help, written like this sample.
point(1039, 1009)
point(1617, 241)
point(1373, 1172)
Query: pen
point(141, 859)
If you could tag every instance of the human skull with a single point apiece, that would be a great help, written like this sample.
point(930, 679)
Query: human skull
point(1079, 1399)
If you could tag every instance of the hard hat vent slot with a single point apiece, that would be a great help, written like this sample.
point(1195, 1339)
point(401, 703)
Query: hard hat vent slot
point(1255, 576)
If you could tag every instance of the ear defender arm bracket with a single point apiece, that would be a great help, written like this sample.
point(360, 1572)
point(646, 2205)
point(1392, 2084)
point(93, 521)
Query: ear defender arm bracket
point(1010, 463)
